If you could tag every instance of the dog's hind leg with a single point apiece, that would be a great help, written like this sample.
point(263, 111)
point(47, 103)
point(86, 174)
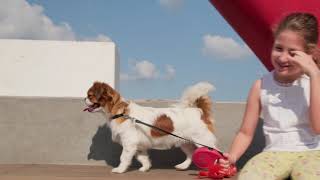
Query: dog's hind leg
point(143, 158)
point(188, 150)
point(125, 159)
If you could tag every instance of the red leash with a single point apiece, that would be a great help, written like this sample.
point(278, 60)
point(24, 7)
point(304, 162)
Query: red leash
point(207, 160)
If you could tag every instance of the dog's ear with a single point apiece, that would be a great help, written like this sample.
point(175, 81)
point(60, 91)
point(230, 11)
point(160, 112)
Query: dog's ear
point(98, 89)
point(115, 97)
point(108, 91)
point(110, 94)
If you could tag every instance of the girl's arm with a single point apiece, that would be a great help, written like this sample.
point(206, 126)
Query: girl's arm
point(314, 111)
point(309, 67)
point(250, 120)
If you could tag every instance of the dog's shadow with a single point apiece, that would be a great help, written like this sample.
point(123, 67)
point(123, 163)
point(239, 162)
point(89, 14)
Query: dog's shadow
point(103, 148)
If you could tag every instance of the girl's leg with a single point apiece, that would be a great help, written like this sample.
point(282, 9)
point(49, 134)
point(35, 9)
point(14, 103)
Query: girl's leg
point(307, 167)
point(268, 166)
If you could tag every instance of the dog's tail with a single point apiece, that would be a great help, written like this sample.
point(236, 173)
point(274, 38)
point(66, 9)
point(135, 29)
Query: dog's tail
point(197, 96)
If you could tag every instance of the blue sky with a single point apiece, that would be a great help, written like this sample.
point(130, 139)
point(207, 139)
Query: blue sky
point(164, 45)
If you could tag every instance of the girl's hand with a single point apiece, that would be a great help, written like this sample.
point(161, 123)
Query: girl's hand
point(305, 62)
point(229, 159)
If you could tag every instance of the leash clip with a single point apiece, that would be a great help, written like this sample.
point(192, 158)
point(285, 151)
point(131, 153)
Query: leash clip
point(129, 117)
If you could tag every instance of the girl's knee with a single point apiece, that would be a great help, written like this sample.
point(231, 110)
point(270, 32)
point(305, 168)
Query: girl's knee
point(306, 169)
point(302, 175)
point(255, 175)
point(253, 170)
point(264, 166)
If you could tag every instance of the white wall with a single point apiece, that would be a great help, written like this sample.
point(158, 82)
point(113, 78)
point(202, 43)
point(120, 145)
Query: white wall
point(55, 68)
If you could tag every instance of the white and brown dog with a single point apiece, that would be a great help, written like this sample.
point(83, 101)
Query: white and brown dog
point(191, 118)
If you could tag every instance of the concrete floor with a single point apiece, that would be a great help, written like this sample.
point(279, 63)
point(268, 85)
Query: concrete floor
point(81, 172)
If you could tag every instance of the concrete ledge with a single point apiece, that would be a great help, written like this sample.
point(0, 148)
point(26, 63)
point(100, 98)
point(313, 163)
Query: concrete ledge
point(56, 131)
point(45, 131)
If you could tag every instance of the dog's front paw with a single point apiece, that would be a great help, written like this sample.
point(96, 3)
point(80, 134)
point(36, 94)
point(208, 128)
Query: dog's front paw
point(144, 168)
point(118, 170)
point(182, 166)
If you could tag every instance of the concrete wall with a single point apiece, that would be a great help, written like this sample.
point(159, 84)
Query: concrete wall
point(56, 131)
point(55, 68)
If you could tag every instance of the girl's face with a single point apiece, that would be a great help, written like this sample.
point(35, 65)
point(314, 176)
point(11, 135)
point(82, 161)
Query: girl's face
point(286, 42)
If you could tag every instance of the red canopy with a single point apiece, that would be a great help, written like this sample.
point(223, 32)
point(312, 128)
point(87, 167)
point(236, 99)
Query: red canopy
point(254, 19)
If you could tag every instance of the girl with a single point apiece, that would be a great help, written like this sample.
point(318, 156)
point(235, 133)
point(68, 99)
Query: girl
point(288, 100)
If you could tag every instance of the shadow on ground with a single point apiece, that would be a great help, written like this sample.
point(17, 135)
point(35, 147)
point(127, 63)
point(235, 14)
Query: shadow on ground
point(102, 148)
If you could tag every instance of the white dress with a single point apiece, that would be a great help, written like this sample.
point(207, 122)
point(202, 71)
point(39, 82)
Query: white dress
point(285, 113)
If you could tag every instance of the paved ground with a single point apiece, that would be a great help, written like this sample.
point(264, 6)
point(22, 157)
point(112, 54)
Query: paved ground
point(79, 172)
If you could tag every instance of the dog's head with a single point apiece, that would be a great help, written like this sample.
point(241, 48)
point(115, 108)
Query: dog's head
point(101, 96)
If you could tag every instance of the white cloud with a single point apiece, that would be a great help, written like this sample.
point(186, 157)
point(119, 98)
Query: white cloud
point(170, 72)
point(171, 4)
point(99, 38)
point(22, 20)
point(145, 70)
point(224, 47)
